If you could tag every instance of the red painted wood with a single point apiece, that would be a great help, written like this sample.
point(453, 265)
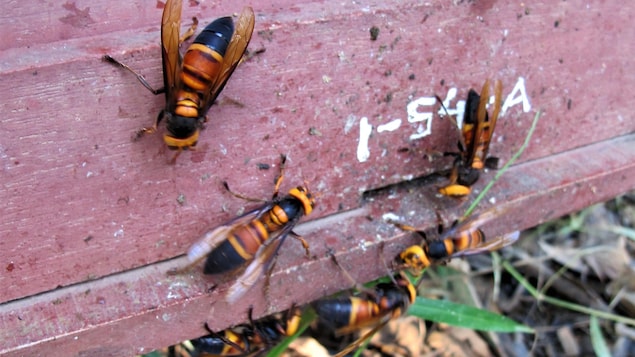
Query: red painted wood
point(86, 209)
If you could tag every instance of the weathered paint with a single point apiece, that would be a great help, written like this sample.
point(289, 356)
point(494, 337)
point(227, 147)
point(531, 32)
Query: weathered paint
point(87, 210)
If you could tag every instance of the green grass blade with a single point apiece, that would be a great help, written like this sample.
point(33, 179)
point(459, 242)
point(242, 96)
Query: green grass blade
point(597, 340)
point(540, 297)
point(500, 172)
point(464, 316)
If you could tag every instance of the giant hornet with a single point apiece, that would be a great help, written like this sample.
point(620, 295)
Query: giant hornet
point(252, 338)
point(372, 308)
point(465, 238)
point(253, 238)
point(476, 134)
point(192, 83)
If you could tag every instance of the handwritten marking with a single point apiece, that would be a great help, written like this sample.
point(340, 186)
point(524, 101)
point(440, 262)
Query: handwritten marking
point(390, 126)
point(518, 95)
point(365, 129)
point(421, 112)
point(458, 112)
point(415, 116)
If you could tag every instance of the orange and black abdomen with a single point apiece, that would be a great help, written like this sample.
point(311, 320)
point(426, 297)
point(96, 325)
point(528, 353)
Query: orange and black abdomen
point(203, 59)
point(468, 239)
point(243, 241)
point(350, 313)
point(442, 249)
point(393, 299)
point(241, 246)
point(387, 301)
point(201, 66)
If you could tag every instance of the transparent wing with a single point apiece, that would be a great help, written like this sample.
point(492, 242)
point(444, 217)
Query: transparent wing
point(170, 25)
point(498, 99)
point(357, 343)
point(213, 238)
point(265, 255)
point(473, 222)
point(485, 125)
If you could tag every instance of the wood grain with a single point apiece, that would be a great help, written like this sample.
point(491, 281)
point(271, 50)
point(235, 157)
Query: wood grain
point(91, 220)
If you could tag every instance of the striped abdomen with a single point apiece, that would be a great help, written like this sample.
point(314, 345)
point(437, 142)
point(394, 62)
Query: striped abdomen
point(201, 65)
point(346, 313)
point(441, 249)
point(243, 241)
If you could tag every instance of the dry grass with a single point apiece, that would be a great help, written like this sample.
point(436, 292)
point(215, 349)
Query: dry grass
point(581, 261)
point(582, 268)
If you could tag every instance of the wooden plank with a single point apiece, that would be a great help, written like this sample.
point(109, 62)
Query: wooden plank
point(86, 209)
point(163, 309)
